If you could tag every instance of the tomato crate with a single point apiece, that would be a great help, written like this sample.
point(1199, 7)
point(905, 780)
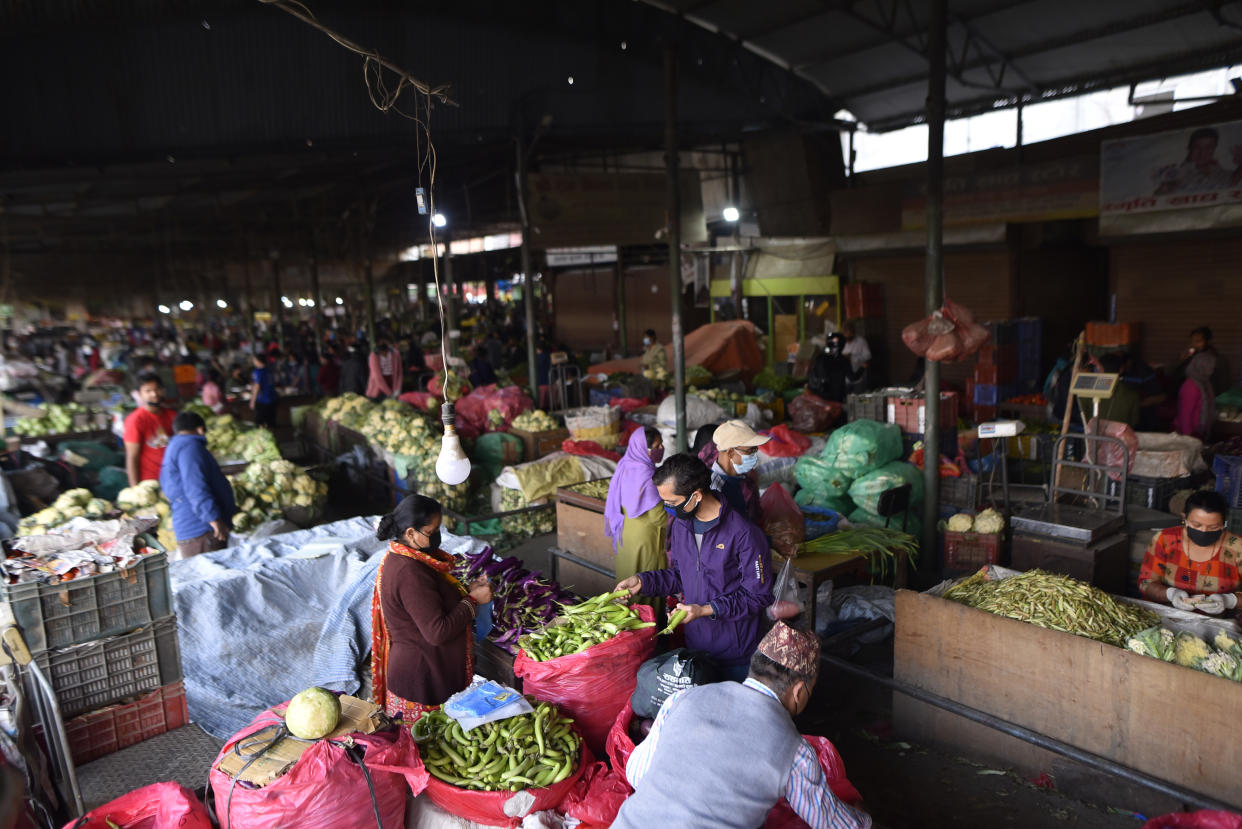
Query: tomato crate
point(111, 729)
point(967, 551)
point(95, 674)
point(58, 615)
point(909, 413)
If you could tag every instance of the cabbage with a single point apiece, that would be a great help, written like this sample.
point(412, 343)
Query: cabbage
point(313, 713)
point(989, 521)
point(961, 523)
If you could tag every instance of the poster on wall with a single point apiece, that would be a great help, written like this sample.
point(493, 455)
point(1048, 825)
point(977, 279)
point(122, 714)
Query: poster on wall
point(1191, 177)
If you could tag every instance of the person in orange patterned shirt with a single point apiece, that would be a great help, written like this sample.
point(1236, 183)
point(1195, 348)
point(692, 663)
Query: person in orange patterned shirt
point(1195, 566)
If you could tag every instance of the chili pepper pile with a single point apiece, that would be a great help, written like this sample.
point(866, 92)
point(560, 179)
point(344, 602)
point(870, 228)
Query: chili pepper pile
point(594, 621)
point(522, 600)
point(530, 751)
point(1055, 602)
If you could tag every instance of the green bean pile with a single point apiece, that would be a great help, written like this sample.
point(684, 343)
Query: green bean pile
point(531, 751)
point(582, 625)
point(1056, 602)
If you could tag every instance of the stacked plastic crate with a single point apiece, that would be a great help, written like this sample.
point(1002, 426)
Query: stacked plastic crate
point(996, 371)
point(108, 646)
point(1030, 342)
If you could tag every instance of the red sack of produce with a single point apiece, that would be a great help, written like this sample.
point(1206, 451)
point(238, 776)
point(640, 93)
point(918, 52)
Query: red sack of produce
point(785, 443)
point(960, 315)
point(945, 347)
point(1196, 820)
point(420, 400)
point(325, 788)
point(619, 745)
point(629, 404)
point(159, 806)
point(812, 413)
point(628, 427)
point(1110, 454)
point(591, 686)
point(783, 520)
point(488, 808)
point(598, 796)
point(588, 447)
point(917, 336)
point(974, 337)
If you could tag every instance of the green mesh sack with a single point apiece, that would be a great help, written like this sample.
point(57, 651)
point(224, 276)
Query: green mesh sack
point(865, 518)
point(496, 450)
point(866, 491)
point(821, 478)
point(859, 447)
point(112, 479)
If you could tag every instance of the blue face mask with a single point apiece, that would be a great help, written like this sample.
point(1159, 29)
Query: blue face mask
point(748, 463)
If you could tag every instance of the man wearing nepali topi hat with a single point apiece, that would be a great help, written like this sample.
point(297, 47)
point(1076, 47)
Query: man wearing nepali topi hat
point(723, 755)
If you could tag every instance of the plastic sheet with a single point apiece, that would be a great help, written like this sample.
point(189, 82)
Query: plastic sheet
point(158, 806)
point(782, 520)
point(591, 686)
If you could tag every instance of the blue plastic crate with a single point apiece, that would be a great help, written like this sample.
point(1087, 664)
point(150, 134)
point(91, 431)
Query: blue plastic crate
point(1030, 329)
point(1228, 469)
point(985, 395)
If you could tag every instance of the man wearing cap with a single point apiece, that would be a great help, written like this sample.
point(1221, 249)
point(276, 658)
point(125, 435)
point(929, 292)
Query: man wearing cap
point(733, 470)
point(746, 752)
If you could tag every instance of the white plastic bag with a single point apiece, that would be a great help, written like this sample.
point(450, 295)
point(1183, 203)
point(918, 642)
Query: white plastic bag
point(699, 412)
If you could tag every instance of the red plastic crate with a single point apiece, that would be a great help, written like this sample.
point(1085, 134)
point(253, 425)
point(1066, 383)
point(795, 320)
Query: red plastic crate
point(908, 412)
point(111, 729)
point(966, 551)
point(864, 299)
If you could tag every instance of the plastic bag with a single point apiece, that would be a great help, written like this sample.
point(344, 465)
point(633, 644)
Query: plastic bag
point(588, 447)
point(158, 806)
point(619, 744)
point(598, 796)
point(485, 701)
point(917, 336)
point(629, 404)
point(866, 491)
point(820, 478)
point(837, 503)
point(1109, 454)
point(662, 676)
point(591, 686)
point(811, 413)
point(776, 471)
point(495, 808)
point(787, 600)
point(699, 412)
point(859, 447)
point(945, 347)
point(1204, 819)
point(496, 450)
point(420, 400)
point(785, 443)
point(782, 520)
point(324, 788)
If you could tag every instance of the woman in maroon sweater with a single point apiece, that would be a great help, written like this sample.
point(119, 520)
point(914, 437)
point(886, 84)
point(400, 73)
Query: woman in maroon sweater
point(422, 618)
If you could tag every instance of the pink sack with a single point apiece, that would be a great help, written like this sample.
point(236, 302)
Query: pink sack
point(159, 806)
point(1196, 820)
point(598, 796)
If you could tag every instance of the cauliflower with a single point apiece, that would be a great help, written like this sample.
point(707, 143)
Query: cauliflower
point(1222, 665)
point(1189, 651)
point(1156, 642)
point(989, 521)
point(1227, 643)
point(961, 523)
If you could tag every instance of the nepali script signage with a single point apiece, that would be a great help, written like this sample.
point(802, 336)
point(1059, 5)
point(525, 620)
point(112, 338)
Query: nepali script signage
point(1195, 169)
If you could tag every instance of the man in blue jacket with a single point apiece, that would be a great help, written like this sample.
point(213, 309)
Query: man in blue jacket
point(201, 497)
point(719, 562)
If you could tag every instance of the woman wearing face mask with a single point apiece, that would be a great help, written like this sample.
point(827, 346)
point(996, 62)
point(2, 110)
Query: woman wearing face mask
point(422, 618)
point(654, 356)
point(1195, 566)
point(634, 517)
point(733, 455)
point(719, 563)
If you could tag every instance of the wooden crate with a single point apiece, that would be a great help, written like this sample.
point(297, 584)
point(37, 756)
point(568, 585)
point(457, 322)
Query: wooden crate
point(1099, 698)
point(581, 532)
point(493, 662)
point(539, 444)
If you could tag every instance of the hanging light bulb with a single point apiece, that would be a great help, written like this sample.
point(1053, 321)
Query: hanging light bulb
point(452, 466)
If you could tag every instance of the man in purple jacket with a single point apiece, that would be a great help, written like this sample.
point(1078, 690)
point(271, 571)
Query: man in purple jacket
point(720, 564)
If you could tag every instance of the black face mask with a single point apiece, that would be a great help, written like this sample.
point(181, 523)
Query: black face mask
point(434, 538)
point(1204, 538)
point(684, 514)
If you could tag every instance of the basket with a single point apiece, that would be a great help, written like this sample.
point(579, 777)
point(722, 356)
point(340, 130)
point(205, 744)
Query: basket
point(111, 729)
point(820, 521)
point(83, 610)
point(96, 674)
point(967, 551)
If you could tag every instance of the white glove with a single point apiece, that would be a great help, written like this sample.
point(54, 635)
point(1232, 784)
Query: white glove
point(1180, 599)
point(1217, 603)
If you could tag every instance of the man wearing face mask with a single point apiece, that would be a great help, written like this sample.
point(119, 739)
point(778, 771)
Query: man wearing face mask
point(733, 470)
point(654, 356)
point(719, 562)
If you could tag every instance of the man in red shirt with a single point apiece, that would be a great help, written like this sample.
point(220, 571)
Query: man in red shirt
point(147, 431)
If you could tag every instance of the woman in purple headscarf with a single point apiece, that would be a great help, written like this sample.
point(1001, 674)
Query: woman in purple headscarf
point(634, 516)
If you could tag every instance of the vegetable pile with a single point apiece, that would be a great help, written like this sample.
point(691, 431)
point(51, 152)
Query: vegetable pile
point(594, 489)
point(56, 419)
point(536, 420)
point(1055, 602)
point(72, 504)
point(1189, 651)
point(880, 546)
point(988, 522)
point(266, 489)
point(537, 522)
point(530, 751)
point(522, 601)
point(697, 375)
point(596, 620)
point(146, 500)
point(768, 379)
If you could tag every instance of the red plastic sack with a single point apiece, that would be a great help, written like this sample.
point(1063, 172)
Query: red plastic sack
point(591, 686)
point(629, 404)
point(783, 520)
point(1196, 820)
point(158, 806)
point(598, 796)
point(917, 337)
point(420, 400)
point(1110, 454)
point(324, 789)
point(785, 443)
point(812, 413)
point(588, 447)
point(488, 808)
point(628, 427)
point(945, 347)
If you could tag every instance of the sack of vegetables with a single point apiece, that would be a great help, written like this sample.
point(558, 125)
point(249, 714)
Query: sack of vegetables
point(592, 684)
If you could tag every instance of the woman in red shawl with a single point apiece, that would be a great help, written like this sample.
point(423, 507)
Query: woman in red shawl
point(422, 618)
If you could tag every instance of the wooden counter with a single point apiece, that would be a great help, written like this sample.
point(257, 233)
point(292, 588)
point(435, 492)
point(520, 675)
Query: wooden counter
point(580, 530)
point(1171, 722)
